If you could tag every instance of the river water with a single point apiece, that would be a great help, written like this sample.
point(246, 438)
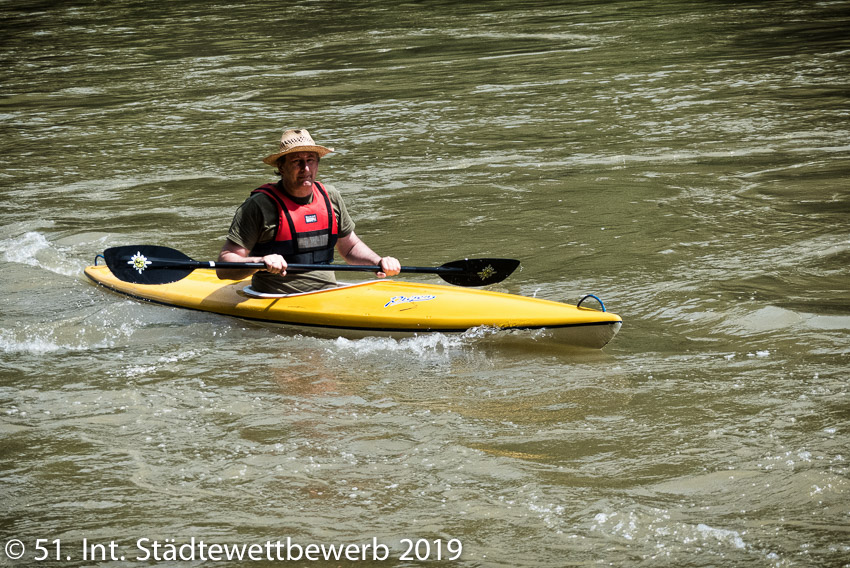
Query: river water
point(687, 162)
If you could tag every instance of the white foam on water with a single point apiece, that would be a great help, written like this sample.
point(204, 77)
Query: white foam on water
point(637, 526)
point(33, 249)
point(33, 345)
point(427, 343)
point(721, 535)
point(23, 249)
point(42, 343)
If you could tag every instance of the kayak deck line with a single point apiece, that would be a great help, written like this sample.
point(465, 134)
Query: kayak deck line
point(249, 290)
point(375, 306)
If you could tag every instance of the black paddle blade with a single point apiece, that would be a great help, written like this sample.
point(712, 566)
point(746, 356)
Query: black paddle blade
point(148, 264)
point(478, 271)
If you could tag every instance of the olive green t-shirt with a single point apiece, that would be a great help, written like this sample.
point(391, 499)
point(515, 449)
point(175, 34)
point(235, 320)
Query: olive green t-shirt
point(256, 222)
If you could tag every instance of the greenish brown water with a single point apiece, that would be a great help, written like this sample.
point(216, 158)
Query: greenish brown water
point(687, 162)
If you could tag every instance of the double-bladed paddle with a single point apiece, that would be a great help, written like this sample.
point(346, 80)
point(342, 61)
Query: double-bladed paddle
point(150, 264)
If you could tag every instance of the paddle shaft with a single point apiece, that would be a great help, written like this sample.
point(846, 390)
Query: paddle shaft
point(151, 264)
point(172, 263)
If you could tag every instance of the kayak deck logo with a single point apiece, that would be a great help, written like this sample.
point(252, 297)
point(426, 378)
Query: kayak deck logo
point(395, 300)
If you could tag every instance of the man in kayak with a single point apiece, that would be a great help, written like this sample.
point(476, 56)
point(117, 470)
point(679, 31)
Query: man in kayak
point(296, 220)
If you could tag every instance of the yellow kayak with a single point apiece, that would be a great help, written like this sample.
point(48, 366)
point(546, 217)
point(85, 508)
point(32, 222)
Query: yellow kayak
point(379, 307)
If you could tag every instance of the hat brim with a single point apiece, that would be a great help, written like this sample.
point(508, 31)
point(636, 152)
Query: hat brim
point(320, 150)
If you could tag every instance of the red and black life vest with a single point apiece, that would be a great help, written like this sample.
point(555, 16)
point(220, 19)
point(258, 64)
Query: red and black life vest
point(305, 233)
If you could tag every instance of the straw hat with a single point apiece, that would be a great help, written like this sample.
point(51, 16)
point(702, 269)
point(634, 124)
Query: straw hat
point(296, 141)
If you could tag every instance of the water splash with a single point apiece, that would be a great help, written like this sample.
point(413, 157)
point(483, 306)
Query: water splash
point(24, 249)
point(33, 249)
point(44, 342)
point(419, 345)
point(657, 524)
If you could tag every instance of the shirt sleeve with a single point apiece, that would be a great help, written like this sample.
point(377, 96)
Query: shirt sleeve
point(346, 225)
point(248, 224)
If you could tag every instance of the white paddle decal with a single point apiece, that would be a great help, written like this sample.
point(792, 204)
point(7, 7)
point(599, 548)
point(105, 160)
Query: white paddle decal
point(139, 262)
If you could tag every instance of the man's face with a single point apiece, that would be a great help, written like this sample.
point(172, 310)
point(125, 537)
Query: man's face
point(298, 172)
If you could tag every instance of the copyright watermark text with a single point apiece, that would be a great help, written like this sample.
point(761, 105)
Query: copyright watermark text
point(194, 549)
